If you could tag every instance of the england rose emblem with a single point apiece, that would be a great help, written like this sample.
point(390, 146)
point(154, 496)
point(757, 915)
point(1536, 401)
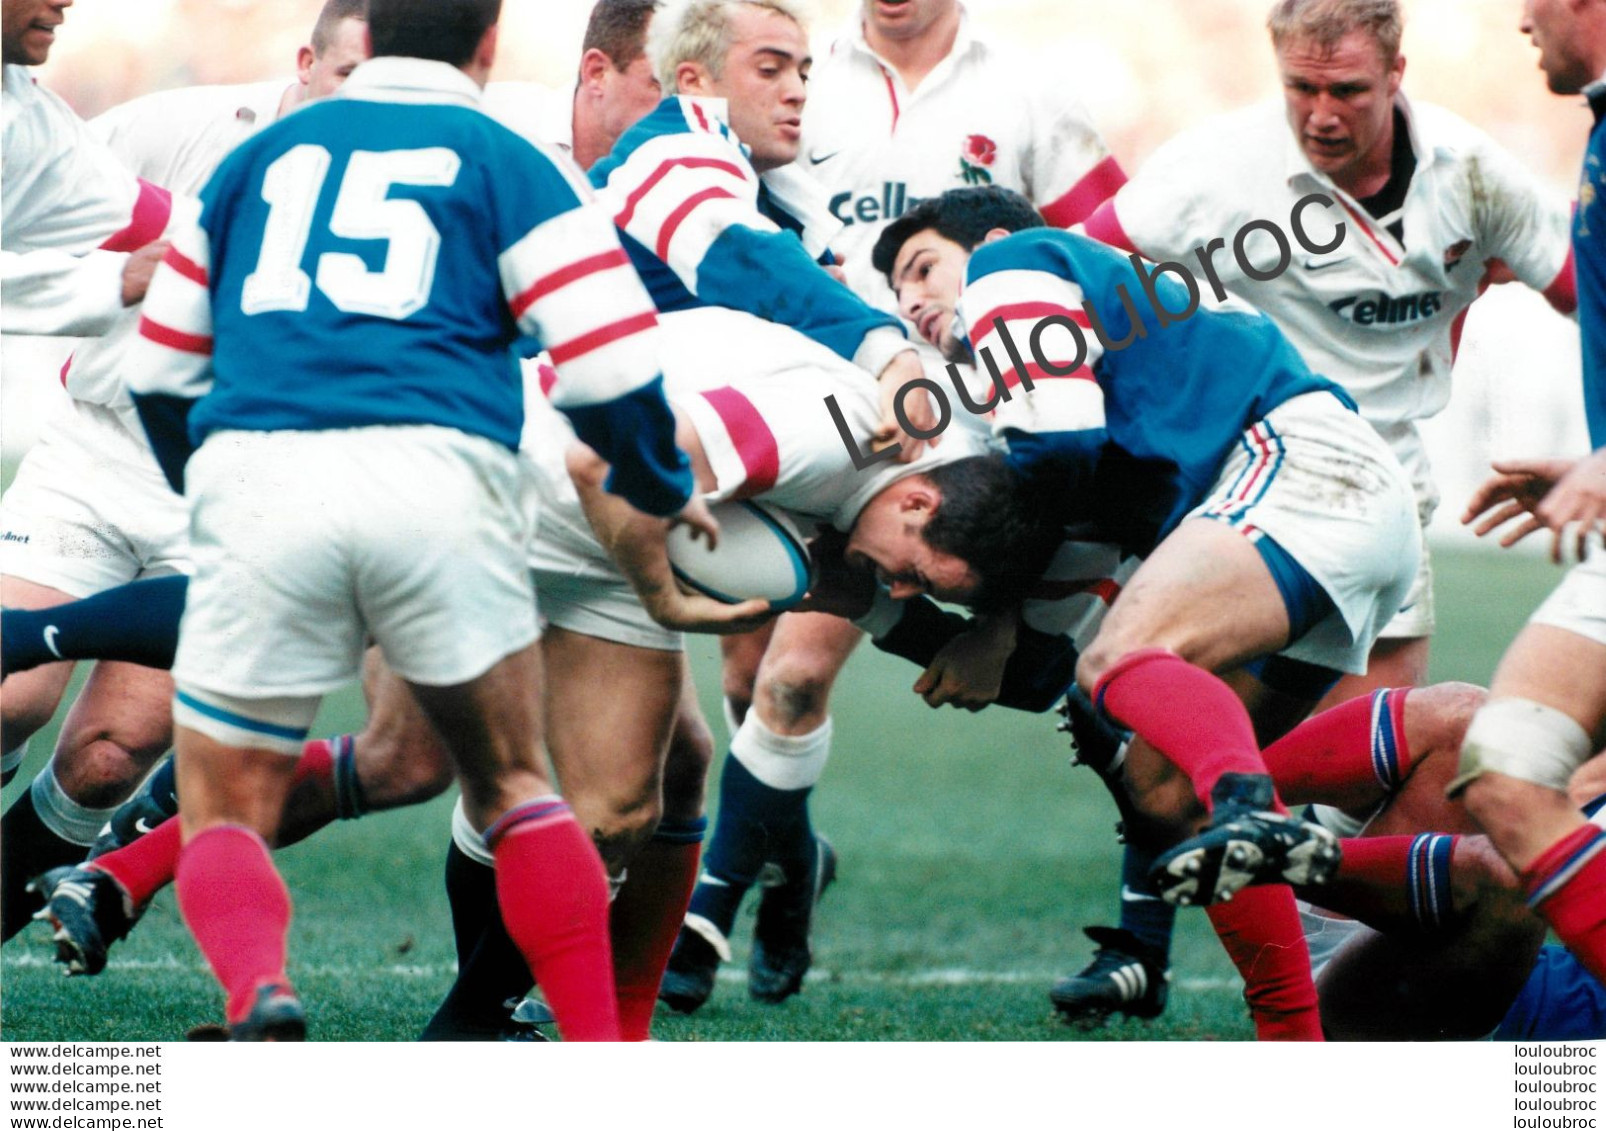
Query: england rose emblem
point(975, 157)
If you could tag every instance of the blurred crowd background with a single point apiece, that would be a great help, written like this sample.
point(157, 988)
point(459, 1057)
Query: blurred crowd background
point(1145, 68)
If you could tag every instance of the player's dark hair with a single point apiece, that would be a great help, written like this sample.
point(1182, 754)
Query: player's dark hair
point(323, 32)
point(988, 519)
point(964, 215)
point(618, 28)
point(447, 31)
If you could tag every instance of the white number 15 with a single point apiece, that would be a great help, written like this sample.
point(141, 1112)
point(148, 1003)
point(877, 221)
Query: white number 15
point(291, 188)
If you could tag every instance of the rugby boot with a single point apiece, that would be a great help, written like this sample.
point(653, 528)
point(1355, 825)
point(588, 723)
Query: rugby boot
point(276, 1015)
point(1244, 843)
point(1125, 976)
point(89, 911)
point(781, 953)
point(689, 978)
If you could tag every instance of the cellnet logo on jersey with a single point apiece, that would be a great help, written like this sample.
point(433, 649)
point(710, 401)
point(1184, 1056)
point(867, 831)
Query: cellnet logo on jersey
point(1381, 309)
point(893, 202)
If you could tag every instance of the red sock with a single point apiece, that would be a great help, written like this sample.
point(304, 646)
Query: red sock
point(1352, 756)
point(1392, 882)
point(1567, 886)
point(554, 899)
point(646, 919)
point(237, 908)
point(146, 866)
point(1185, 713)
point(1260, 929)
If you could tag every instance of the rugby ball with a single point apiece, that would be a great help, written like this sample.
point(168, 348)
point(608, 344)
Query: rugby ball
point(760, 554)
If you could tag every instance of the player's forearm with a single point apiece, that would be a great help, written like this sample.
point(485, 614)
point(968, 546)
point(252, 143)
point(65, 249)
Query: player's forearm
point(1037, 675)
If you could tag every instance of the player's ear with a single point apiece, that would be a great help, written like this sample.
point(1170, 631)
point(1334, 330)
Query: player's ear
point(1396, 73)
point(594, 66)
point(305, 57)
point(692, 78)
point(996, 234)
point(484, 54)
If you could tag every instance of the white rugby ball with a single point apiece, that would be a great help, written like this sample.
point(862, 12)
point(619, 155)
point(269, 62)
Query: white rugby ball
point(760, 554)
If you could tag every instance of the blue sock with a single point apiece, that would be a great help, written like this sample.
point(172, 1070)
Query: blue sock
point(136, 623)
point(1145, 914)
point(756, 823)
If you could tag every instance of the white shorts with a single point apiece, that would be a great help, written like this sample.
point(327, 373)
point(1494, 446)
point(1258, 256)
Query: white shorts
point(1318, 480)
point(580, 588)
point(1416, 615)
point(89, 509)
point(1579, 602)
point(308, 543)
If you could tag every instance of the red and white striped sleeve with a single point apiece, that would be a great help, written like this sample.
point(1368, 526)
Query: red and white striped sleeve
point(1071, 170)
point(173, 354)
point(1030, 331)
point(570, 285)
point(676, 195)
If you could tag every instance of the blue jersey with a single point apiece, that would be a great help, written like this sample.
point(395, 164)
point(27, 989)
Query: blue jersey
point(1129, 435)
point(1589, 258)
point(371, 259)
point(703, 229)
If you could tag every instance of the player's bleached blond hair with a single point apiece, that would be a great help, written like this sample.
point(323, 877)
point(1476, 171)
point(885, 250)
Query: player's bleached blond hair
point(1326, 22)
point(699, 31)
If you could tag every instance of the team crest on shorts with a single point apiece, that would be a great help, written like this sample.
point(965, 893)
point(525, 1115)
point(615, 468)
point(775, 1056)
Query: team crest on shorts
point(975, 158)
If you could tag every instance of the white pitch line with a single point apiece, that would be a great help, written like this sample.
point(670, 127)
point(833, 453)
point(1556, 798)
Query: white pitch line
point(913, 979)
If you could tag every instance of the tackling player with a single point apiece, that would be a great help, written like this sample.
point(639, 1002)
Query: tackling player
point(913, 98)
point(1249, 555)
point(1385, 213)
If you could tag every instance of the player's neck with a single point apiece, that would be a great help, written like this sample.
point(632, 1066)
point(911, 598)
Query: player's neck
point(1370, 175)
point(916, 58)
point(590, 141)
point(294, 95)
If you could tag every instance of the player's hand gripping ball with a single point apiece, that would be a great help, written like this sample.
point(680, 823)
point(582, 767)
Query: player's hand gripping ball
point(761, 554)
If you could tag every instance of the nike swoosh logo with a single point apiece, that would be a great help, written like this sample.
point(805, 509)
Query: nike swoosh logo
point(1130, 896)
point(142, 828)
point(816, 159)
point(51, 632)
point(1322, 265)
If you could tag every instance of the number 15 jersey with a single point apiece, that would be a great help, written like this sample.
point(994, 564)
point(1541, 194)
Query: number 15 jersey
point(370, 259)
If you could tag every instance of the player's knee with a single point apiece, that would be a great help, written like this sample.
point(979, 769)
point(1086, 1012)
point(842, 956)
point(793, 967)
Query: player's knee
point(1437, 717)
point(100, 773)
point(402, 766)
point(618, 820)
point(794, 694)
point(1480, 875)
point(691, 754)
point(1513, 753)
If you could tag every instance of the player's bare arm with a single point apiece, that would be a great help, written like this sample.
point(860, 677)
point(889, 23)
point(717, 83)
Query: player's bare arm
point(638, 544)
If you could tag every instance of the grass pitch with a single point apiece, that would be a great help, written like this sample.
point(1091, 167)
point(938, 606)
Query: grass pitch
point(971, 854)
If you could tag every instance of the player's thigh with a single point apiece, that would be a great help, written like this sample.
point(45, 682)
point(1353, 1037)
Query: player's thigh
point(610, 710)
point(1205, 593)
point(1560, 669)
point(30, 698)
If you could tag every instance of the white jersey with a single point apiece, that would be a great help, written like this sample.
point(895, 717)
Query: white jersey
point(174, 138)
point(1376, 315)
point(982, 116)
point(63, 196)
